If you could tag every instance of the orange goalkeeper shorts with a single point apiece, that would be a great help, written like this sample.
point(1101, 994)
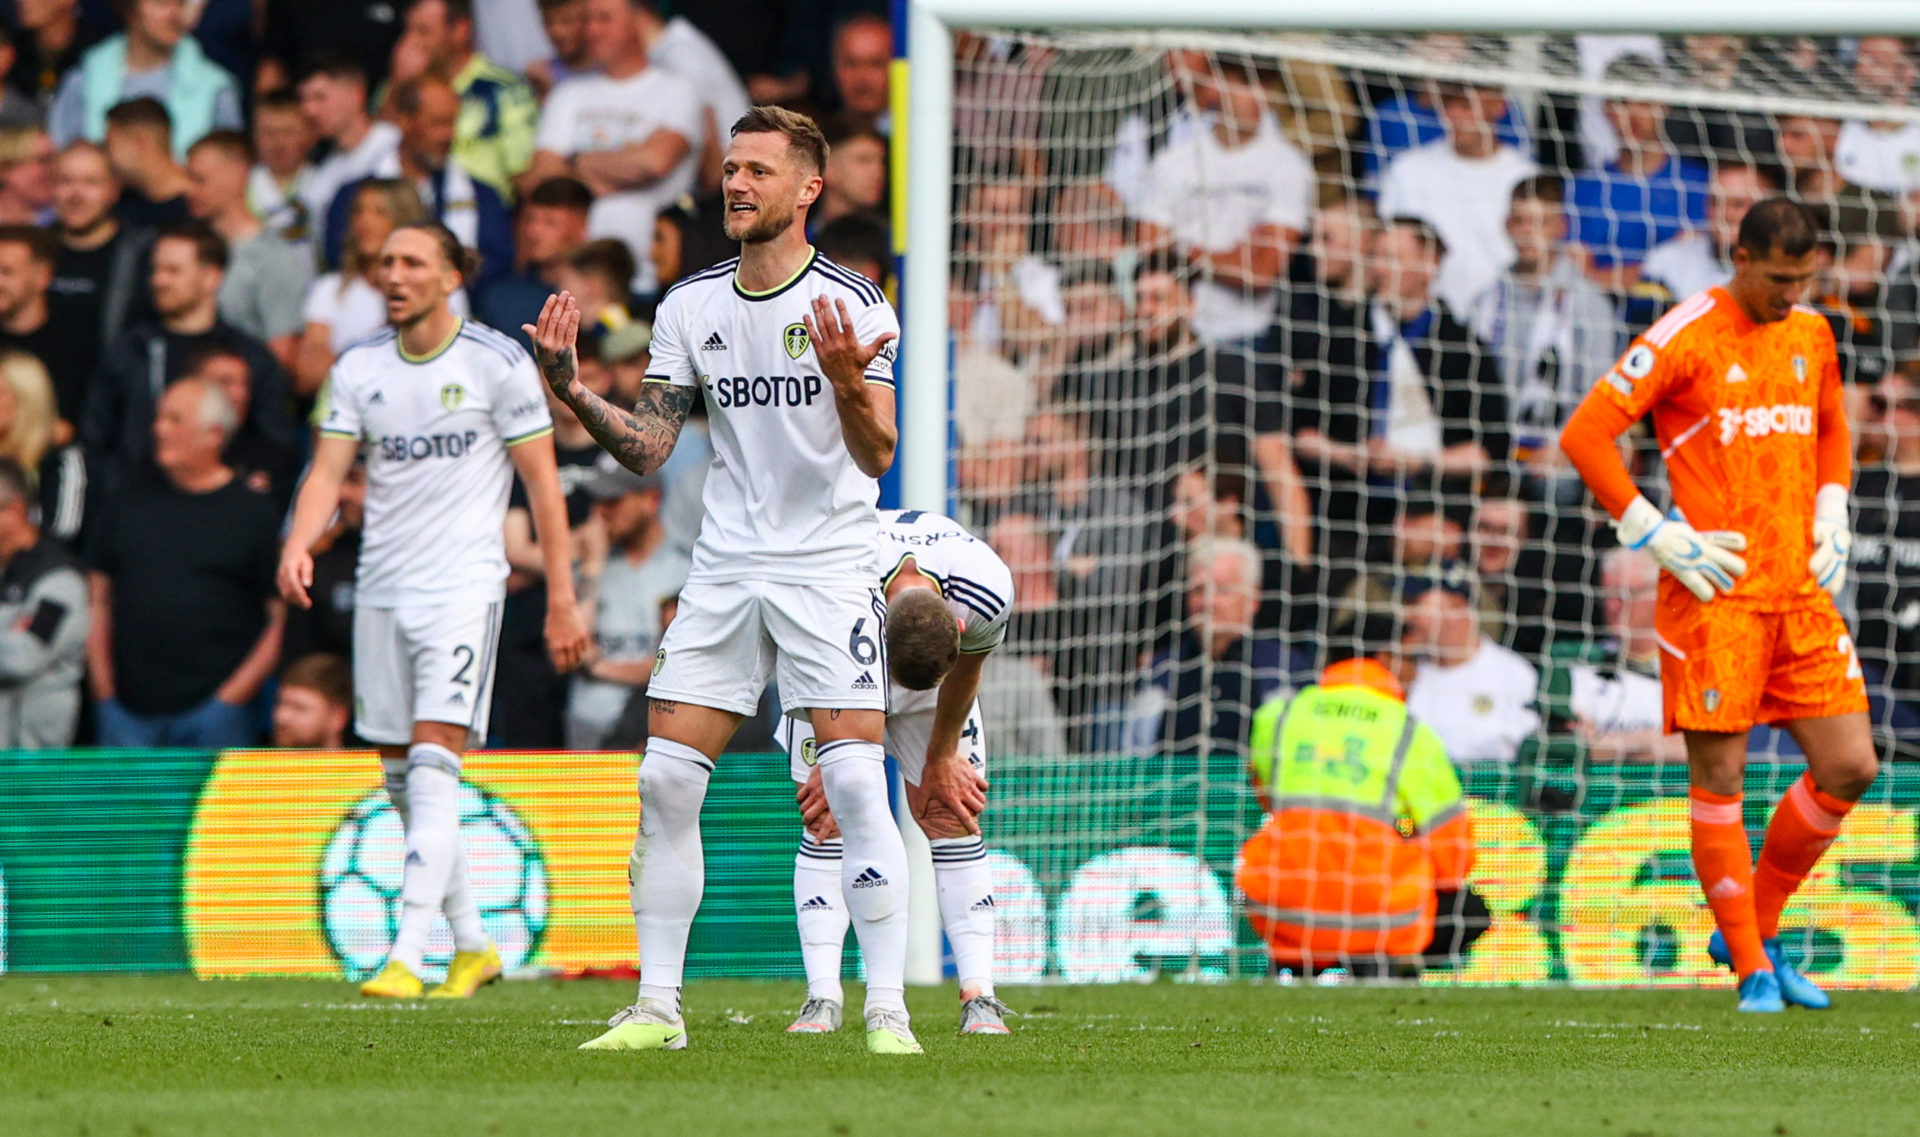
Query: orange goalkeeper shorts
point(1725, 666)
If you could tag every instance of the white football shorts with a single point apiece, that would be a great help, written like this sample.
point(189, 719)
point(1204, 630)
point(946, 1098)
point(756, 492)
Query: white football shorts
point(824, 644)
point(430, 663)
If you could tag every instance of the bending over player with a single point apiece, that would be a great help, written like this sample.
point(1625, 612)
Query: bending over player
point(948, 600)
point(795, 355)
point(1744, 388)
point(446, 410)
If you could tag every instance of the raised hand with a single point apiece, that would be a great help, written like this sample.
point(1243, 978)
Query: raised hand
point(554, 337)
point(843, 358)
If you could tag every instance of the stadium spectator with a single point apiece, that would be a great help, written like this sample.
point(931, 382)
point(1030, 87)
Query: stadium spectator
point(1330, 879)
point(1532, 592)
point(858, 242)
point(1882, 154)
point(1808, 148)
point(1697, 260)
point(328, 625)
point(1199, 696)
point(1409, 116)
point(1719, 135)
point(552, 223)
point(597, 274)
point(1553, 331)
point(16, 107)
point(345, 305)
point(1021, 718)
point(153, 187)
point(1477, 695)
point(296, 34)
point(43, 624)
point(1460, 185)
point(427, 111)
point(565, 22)
point(1644, 194)
point(154, 58)
point(641, 571)
point(1009, 301)
point(189, 263)
point(1233, 197)
point(333, 96)
point(862, 61)
point(493, 135)
point(267, 276)
point(34, 439)
point(627, 354)
point(1000, 102)
point(1616, 706)
point(26, 175)
point(187, 557)
point(687, 238)
point(856, 174)
point(1436, 408)
point(314, 707)
point(1886, 548)
point(1090, 225)
point(47, 38)
point(676, 44)
point(1862, 233)
point(629, 132)
point(277, 188)
point(27, 256)
point(263, 462)
point(100, 276)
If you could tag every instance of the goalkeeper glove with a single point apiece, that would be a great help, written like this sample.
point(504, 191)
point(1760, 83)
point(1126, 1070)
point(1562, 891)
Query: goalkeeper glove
point(1701, 561)
point(1832, 539)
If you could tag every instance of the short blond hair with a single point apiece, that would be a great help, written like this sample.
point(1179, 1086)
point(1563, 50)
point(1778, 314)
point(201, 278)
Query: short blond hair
point(802, 133)
point(29, 435)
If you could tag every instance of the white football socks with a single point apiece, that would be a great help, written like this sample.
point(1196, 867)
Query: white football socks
point(964, 881)
point(822, 915)
point(462, 910)
point(873, 871)
point(433, 846)
point(668, 869)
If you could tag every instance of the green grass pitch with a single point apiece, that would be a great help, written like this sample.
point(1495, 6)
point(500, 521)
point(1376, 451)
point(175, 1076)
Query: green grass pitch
point(152, 1056)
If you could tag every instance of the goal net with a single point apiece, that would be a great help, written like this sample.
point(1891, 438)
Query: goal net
point(1259, 338)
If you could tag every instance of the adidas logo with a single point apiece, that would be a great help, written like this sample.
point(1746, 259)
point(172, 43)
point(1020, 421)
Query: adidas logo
point(414, 857)
point(870, 878)
point(377, 397)
point(1727, 887)
point(1736, 374)
point(984, 904)
point(714, 343)
point(865, 682)
point(458, 700)
point(817, 904)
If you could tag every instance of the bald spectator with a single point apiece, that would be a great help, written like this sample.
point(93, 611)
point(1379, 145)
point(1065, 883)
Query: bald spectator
point(1200, 695)
point(99, 277)
point(552, 223)
point(277, 187)
point(333, 96)
point(631, 132)
point(153, 187)
point(27, 256)
point(315, 705)
point(153, 58)
point(186, 557)
point(267, 276)
point(1882, 154)
point(43, 625)
point(26, 176)
point(862, 60)
point(1477, 695)
point(189, 264)
point(1696, 261)
point(428, 112)
point(493, 140)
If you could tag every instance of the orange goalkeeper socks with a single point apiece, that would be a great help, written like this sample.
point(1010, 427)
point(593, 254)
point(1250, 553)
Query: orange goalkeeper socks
point(1724, 864)
point(1804, 823)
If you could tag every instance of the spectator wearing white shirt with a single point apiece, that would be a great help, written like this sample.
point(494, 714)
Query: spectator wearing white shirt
point(628, 132)
point(1461, 186)
point(1617, 707)
point(1694, 262)
point(277, 187)
point(676, 45)
point(1009, 297)
point(1477, 695)
point(1234, 195)
point(333, 95)
point(1882, 156)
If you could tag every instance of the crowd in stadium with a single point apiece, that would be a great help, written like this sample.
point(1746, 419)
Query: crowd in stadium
point(1259, 346)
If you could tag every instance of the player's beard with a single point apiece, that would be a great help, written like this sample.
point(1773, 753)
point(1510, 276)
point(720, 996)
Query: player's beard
point(768, 223)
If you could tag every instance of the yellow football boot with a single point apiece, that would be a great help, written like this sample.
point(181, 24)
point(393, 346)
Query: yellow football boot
point(469, 971)
point(393, 982)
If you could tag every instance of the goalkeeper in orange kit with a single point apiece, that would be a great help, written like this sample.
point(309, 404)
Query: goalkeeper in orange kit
point(1744, 388)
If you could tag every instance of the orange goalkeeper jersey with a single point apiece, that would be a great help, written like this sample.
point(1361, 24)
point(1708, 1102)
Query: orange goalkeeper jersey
point(1750, 424)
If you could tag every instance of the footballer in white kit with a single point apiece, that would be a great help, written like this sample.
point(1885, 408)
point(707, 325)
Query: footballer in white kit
point(794, 356)
point(444, 411)
point(931, 561)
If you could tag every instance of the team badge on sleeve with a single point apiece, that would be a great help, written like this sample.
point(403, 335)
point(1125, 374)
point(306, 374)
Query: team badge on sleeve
point(1800, 368)
point(796, 340)
point(1639, 362)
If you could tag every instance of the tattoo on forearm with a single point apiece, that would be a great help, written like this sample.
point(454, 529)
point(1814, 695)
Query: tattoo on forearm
point(558, 369)
point(641, 439)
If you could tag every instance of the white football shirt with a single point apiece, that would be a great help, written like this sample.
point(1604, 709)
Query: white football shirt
point(784, 500)
point(435, 432)
point(1482, 709)
point(974, 581)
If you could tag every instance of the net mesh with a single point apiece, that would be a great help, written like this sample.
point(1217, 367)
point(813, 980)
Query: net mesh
point(1260, 338)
